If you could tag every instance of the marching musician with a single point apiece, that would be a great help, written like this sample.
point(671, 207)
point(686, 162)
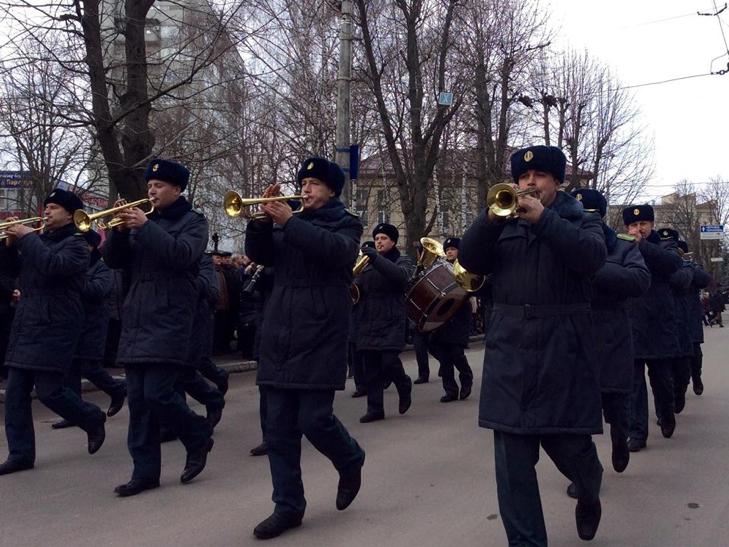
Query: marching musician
point(700, 280)
point(46, 328)
point(162, 252)
point(381, 335)
point(92, 341)
point(653, 320)
point(303, 353)
point(540, 384)
point(448, 342)
point(623, 276)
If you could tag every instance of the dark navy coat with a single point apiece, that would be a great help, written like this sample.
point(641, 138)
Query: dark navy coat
point(97, 286)
point(700, 280)
point(163, 259)
point(306, 319)
point(680, 283)
point(49, 316)
point(623, 276)
point(653, 315)
point(540, 374)
point(208, 290)
point(382, 287)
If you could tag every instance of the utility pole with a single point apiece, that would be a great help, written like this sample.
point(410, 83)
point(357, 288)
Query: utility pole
point(344, 94)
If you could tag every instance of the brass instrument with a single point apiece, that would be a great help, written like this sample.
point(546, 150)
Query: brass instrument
point(359, 266)
point(469, 282)
point(236, 206)
point(3, 225)
point(83, 220)
point(503, 201)
point(432, 251)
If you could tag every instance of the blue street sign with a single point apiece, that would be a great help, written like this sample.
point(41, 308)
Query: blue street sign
point(712, 228)
point(445, 99)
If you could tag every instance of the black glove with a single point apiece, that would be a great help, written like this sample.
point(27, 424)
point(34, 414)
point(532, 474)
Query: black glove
point(371, 253)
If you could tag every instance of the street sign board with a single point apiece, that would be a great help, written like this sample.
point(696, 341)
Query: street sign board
point(715, 231)
point(445, 98)
point(717, 259)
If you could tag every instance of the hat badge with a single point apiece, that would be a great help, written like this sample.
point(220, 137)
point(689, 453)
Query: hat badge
point(155, 167)
point(665, 232)
point(310, 166)
point(579, 197)
point(528, 156)
point(52, 194)
point(636, 211)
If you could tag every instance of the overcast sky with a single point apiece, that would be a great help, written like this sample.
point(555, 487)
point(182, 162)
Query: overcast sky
point(651, 40)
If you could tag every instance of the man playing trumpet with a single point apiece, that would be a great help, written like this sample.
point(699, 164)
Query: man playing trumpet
point(303, 353)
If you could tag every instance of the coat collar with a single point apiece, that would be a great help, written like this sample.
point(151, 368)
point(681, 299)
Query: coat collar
point(567, 207)
point(392, 255)
point(174, 211)
point(59, 235)
point(611, 238)
point(331, 211)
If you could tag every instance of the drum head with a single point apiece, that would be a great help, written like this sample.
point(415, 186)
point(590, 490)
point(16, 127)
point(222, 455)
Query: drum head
point(434, 297)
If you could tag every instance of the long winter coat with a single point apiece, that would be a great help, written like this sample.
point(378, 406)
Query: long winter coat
point(680, 283)
point(208, 290)
point(623, 276)
point(49, 316)
point(306, 320)
point(653, 315)
point(382, 285)
point(163, 258)
point(539, 373)
point(97, 286)
point(700, 280)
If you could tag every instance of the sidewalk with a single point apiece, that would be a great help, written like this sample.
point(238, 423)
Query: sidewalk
point(232, 363)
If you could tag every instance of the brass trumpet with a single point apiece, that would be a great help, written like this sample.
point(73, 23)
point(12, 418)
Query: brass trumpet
point(236, 206)
point(359, 266)
point(469, 282)
point(3, 225)
point(503, 201)
point(83, 220)
point(432, 251)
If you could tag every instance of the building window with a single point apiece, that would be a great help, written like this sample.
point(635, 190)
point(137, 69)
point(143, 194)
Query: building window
point(383, 216)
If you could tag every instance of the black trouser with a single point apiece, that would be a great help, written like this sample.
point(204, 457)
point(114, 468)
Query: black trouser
point(94, 373)
point(113, 334)
point(152, 398)
point(211, 371)
point(616, 409)
point(660, 372)
point(222, 333)
point(356, 364)
point(697, 362)
point(190, 381)
point(263, 410)
point(681, 371)
point(382, 366)
point(420, 344)
point(6, 324)
point(516, 479)
point(52, 392)
point(291, 413)
point(452, 356)
point(246, 338)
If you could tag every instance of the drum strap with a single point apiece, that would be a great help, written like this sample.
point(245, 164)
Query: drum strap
point(531, 311)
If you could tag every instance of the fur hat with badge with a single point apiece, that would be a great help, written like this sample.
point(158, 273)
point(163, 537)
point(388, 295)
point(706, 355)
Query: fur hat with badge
point(452, 242)
point(591, 200)
point(636, 213)
point(668, 233)
point(68, 200)
point(388, 229)
point(167, 171)
point(324, 170)
point(540, 158)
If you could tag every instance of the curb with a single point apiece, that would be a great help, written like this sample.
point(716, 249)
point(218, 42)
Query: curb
point(232, 366)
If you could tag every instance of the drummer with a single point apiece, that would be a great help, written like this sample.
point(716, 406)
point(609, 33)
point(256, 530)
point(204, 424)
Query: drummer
point(381, 335)
point(448, 342)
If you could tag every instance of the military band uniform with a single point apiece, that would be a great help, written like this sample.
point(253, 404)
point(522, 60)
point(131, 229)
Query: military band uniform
point(163, 259)
point(655, 336)
point(303, 348)
point(540, 380)
point(381, 336)
point(624, 276)
point(46, 329)
point(700, 280)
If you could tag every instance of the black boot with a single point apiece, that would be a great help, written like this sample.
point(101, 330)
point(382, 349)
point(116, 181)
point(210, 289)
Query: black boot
point(447, 398)
point(465, 392)
point(11, 466)
point(117, 402)
point(275, 525)
point(96, 435)
point(698, 386)
point(349, 485)
point(260, 450)
point(372, 417)
point(63, 424)
point(679, 399)
point(135, 486)
point(634, 445)
point(587, 518)
point(572, 491)
point(196, 461)
point(421, 380)
point(214, 414)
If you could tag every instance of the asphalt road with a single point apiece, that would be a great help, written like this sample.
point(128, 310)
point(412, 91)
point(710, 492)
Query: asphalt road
point(428, 481)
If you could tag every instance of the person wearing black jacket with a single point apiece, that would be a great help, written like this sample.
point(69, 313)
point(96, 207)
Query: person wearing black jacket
point(700, 280)
point(540, 383)
point(46, 328)
point(303, 351)
point(654, 322)
point(8, 295)
point(90, 350)
point(448, 342)
point(162, 252)
point(623, 276)
point(381, 335)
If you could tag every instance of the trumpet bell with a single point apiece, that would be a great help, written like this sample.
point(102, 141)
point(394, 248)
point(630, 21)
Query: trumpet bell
point(501, 199)
point(82, 220)
point(233, 204)
point(236, 206)
point(469, 282)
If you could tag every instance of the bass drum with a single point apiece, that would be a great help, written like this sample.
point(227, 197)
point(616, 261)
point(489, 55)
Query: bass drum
point(434, 297)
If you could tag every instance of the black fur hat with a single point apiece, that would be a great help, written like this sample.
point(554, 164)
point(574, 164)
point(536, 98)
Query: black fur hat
point(591, 200)
point(68, 200)
point(168, 171)
point(540, 158)
point(388, 229)
point(635, 213)
point(452, 242)
point(668, 233)
point(326, 171)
